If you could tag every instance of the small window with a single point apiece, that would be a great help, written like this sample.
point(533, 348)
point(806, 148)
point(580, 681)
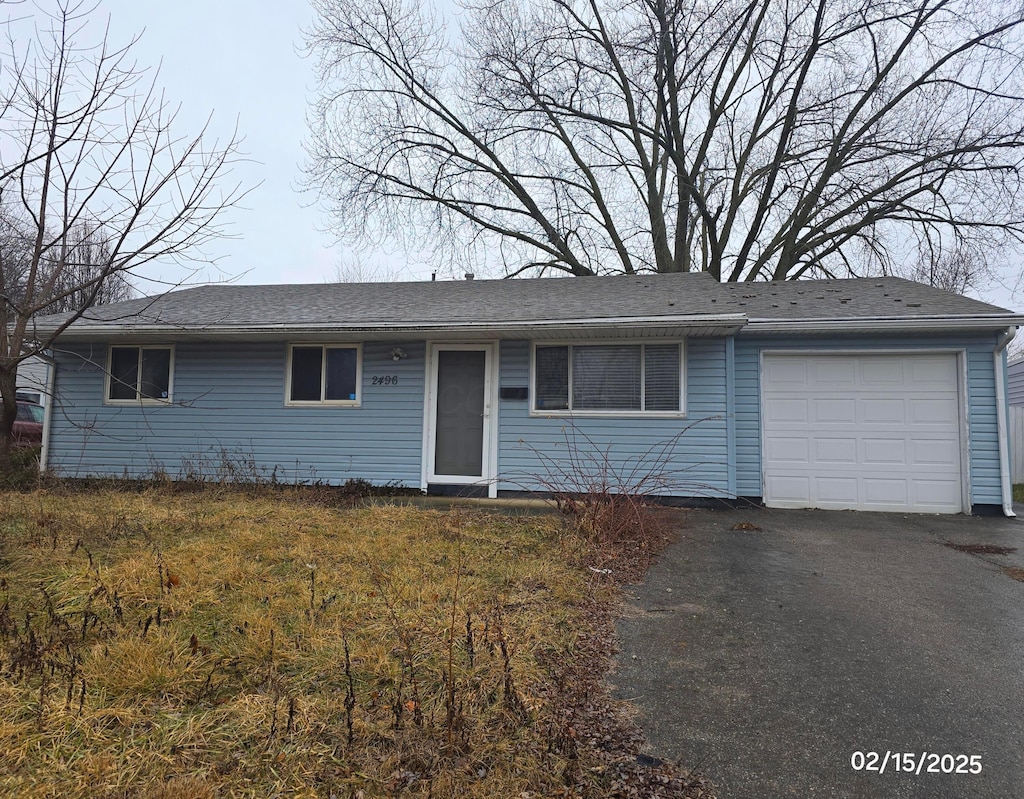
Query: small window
point(323, 374)
point(600, 378)
point(139, 374)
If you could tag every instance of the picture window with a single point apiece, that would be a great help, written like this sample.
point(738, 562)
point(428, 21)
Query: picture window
point(636, 378)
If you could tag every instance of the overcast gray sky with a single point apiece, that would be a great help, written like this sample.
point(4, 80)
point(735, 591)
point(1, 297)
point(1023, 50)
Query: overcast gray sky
point(240, 60)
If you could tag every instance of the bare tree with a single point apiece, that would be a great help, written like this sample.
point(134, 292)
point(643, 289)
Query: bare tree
point(94, 183)
point(752, 139)
point(72, 275)
point(954, 272)
point(359, 270)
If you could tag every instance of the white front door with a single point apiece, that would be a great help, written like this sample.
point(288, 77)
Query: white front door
point(862, 431)
point(459, 414)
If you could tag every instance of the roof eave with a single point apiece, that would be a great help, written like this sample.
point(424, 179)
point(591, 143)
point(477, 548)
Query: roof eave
point(721, 324)
point(921, 324)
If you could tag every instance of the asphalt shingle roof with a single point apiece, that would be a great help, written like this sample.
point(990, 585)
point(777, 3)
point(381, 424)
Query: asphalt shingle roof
point(502, 302)
point(855, 298)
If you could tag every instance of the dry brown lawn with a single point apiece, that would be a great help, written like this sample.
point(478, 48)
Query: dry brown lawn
point(222, 643)
point(225, 643)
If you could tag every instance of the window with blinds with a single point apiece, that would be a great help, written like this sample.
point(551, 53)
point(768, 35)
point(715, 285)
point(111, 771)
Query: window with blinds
point(608, 377)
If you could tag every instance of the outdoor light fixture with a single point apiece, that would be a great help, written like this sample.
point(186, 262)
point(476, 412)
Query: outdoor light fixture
point(397, 354)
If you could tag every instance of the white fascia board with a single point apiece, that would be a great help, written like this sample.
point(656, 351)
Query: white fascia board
point(921, 324)
point(730, 323)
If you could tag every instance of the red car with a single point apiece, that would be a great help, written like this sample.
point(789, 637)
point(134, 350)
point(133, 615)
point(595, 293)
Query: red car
point(28, 426)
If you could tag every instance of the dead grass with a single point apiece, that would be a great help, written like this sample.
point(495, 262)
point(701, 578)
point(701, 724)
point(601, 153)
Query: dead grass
point(157, 644)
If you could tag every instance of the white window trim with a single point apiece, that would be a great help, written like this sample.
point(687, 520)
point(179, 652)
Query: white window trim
point(139, 400)
point(324, 403)
point(609, 414)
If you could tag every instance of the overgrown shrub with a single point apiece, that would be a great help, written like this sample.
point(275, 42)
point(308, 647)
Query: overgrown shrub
point(23, 471)
point(612, 500)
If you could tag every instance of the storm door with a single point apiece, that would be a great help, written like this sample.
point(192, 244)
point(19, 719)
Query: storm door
point(459, 413)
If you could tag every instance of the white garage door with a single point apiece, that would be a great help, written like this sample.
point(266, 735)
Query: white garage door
point(863, 432)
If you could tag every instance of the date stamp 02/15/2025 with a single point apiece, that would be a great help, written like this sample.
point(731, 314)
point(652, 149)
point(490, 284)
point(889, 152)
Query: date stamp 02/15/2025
point(915, 762)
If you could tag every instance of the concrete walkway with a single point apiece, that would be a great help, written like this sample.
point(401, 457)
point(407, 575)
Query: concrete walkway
point(768, 657)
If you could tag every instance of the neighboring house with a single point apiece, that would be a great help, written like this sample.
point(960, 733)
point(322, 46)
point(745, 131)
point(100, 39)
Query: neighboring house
point(32, 374)
point(1015, 397)
point(1015, 382)
point(875, 394)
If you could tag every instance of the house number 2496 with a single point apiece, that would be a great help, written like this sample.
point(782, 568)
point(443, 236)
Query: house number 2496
point(384, 380)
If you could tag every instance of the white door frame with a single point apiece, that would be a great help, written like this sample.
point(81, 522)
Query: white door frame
point(963, 393)
point(489, 459)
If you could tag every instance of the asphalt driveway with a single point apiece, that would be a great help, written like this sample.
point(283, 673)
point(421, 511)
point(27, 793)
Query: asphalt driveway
point(766, 658)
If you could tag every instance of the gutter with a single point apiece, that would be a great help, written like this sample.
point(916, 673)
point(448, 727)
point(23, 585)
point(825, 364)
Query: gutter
point(923, 324)
point(51, 378)
point(1004, 449)
point(733, 321)
point(737, 323)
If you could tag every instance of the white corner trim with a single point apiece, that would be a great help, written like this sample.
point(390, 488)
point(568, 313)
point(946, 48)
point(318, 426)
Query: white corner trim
point(51, 380)
point(428, 424)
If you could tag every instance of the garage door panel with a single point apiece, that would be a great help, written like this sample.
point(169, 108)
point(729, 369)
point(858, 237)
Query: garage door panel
point(933, 411)
point(831, 370)
point(862, 431)
point(791, 489)
point(788, 449)
point(791, 374)
point(829, 410)
point(940, 371)
point(876, 372)
point(783, 409)
point(835, 450)
point(884, 451)
point(937, 452)
point(938, 496)
point(891, 491)
point(835, 489)
point(883, 411)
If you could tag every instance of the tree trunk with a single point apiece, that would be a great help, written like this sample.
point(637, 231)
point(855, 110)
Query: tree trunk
point(8, 413)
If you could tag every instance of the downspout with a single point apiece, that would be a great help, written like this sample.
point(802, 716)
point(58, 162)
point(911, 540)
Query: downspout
point(51, 378)
point(1004, 449)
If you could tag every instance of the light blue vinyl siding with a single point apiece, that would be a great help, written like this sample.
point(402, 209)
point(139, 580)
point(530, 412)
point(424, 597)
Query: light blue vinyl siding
point(229, 399)
point(684, 457)
point(982, 431)
point(1015, 383)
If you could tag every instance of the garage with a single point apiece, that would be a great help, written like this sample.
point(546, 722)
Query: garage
point(862, 431)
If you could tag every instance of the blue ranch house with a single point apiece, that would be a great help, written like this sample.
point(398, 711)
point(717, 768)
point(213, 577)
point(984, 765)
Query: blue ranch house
point(870, 394)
